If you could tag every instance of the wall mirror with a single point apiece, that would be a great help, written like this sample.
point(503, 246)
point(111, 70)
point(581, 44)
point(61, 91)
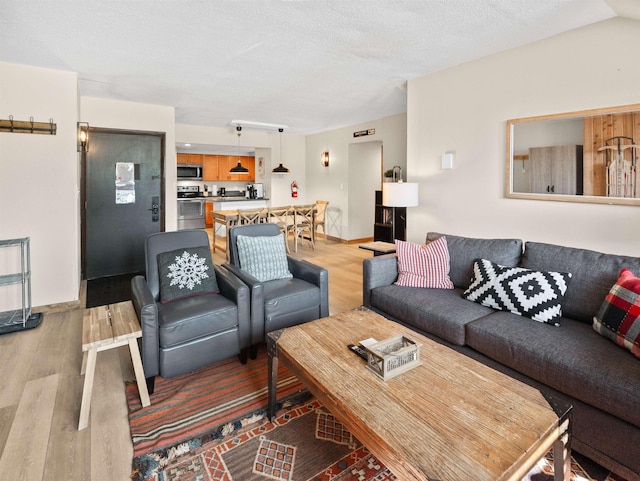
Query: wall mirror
point(587, 156)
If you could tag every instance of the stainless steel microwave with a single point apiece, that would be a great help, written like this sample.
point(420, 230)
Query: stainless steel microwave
point(193, 172)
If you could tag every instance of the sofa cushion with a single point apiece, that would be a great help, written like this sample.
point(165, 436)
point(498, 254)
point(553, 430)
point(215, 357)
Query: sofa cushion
point(593, 274)
point(534, 294)
point(464, 250)
point(619, 317)
point(264, 257)
point(186, 272)
point(423, 266)
point(441, 312)
point(571, 358)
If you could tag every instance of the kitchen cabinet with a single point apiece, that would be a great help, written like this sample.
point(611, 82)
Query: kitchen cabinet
point(194, 159)
point(208, 220)
point(556, 170)
point(210, 167)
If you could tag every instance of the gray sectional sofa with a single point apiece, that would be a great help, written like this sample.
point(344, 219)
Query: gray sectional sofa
point(570, 362)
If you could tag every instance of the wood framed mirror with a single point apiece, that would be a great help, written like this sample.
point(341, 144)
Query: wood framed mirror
point(585, 156)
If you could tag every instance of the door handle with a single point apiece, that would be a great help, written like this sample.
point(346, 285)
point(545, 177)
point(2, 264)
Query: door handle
point(155, 209)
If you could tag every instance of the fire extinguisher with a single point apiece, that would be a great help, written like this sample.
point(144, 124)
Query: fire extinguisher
point(294, 189)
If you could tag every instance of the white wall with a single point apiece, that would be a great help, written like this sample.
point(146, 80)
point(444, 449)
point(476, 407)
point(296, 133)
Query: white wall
point(333, 183)
point(465, 109)
point(39, 194)
point(116, 114)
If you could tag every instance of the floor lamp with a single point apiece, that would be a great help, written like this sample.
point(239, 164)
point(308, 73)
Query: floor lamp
point(399, 194)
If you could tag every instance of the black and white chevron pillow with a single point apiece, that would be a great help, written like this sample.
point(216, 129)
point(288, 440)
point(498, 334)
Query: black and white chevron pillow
point(534, 294)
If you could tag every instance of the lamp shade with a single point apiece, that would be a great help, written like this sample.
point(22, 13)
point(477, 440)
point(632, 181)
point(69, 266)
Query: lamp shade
point(400, 194)
point(239, 169)
point(281, 169)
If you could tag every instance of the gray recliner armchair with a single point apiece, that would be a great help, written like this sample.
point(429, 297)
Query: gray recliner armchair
point(185, 333)
point(279, 303)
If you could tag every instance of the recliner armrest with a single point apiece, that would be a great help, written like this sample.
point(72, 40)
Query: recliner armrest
point(147, 311)
point(256, 304)
point(314, 274)
point(237, 291)
point(378, 271)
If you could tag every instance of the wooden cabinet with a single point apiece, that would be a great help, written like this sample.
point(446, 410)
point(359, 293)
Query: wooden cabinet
point(194, 159)
point(556, 170)
point(388, 220)
point(210, 167)
point(208, 220)
point(216, 167)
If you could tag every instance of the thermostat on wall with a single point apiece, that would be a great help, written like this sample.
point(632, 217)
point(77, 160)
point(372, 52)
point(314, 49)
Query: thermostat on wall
point(447, 160)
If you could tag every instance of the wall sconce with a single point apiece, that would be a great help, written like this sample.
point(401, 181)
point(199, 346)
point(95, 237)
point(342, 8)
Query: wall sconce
point(83, 137)
point(324, 158)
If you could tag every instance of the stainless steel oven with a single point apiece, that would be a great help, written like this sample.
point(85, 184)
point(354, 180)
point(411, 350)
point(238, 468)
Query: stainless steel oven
point(191, 209)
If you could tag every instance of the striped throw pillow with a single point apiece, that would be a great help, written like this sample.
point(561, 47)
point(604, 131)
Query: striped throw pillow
point(619, 317)
point(423, 265)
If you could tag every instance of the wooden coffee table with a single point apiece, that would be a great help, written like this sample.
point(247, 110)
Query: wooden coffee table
point(450, 418)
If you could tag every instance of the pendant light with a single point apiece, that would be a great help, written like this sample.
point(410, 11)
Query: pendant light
point(239, 169)
point(281, 169)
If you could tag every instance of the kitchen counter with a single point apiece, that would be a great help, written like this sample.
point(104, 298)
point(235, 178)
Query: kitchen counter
point(217, 198)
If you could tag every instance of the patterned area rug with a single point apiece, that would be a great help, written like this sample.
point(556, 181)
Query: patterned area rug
point(211, 425)
point(305, 443)
point(207, 403)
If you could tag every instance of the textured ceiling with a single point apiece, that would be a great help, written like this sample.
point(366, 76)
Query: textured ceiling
point(312, 65)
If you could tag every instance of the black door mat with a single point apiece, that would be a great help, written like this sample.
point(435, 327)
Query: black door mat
point(109, 290)
point(34, 320)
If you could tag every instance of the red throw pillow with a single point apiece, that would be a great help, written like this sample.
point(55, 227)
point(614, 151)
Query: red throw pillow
point(423, 265)
point(619, 316)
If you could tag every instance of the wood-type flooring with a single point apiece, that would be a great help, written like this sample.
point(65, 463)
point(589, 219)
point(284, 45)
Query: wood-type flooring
point(42, 386)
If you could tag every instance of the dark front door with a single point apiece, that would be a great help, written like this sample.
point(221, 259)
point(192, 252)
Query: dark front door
point(123, 186)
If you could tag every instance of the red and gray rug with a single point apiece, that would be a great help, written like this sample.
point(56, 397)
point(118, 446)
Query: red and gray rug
point(211, 425)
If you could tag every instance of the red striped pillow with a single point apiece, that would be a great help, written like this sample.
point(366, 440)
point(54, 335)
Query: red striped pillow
point(423, 265)
point(619, 315)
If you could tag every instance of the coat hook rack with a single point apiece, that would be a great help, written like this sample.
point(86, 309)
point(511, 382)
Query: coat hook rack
point(27, 126)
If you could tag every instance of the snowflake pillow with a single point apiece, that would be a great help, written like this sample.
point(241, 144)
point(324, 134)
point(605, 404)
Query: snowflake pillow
point(185, 273)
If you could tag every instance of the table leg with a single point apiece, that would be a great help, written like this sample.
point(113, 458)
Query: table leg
point(85, 407)
point(272, 352)
point(562, 453)
point(213, 247)
point(272, 381)
point(137, 368)
point(83, 368)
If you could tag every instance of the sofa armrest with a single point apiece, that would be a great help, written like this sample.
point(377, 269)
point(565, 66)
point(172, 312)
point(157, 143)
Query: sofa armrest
point(378, 271)
point(237, 291)
point(256, 302)
point(315, 275)
point(147, 311)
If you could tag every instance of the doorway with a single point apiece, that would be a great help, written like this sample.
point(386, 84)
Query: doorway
point(364, 171)
point(122, 197)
